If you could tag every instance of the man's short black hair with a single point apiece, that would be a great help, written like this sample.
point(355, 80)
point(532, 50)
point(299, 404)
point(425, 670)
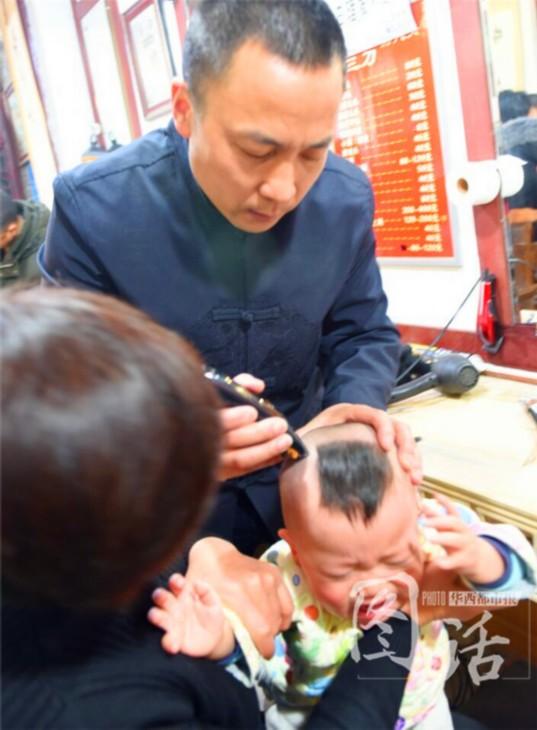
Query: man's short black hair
point(9, 210)
point(353, 477)
point(513, 104)
point(303, 32)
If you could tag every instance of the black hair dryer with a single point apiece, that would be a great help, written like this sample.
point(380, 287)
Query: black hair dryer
point(451, 374)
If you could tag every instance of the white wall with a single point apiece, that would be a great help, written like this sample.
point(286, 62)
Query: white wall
point(427, 295)
point(528, 17)
point(56, 55)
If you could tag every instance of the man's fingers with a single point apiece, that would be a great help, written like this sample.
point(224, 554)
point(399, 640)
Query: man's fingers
point(286, 607)
point(250, 444)
point(279, 606)
point(266, 609)
point(265, 644)
point(407, 451)
point(356, 413)
point(236, 417)
point(403, 436)
point(236, 462)
point(248, 587)
point(384, 426)
point(255, 433)
point(255, 385)
point(388, 430)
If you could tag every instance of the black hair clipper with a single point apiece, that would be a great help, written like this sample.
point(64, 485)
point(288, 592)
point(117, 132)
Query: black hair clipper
point(236, 395)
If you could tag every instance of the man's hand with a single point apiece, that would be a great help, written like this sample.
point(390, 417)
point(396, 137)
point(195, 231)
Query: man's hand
point(389, 431)
point(254, 590)
point(249, 444)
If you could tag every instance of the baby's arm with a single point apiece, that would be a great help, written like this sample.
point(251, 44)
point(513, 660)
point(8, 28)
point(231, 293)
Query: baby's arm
point(473, 557)
point(192, 618)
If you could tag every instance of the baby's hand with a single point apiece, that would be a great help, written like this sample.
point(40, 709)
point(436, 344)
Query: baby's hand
point(466, 553)
point(191, 616)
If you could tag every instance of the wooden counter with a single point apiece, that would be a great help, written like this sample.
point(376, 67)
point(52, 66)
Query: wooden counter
point(480, 448)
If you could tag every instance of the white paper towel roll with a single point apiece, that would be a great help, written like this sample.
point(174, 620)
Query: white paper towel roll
point(478, 183)
point(511, 174)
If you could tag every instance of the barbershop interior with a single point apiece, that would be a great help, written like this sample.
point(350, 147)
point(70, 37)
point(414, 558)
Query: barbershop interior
point(264, 261)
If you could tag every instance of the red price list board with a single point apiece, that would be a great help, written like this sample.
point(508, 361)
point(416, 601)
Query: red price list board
point(388, 126)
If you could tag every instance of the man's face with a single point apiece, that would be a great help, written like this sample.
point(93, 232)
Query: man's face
point(261, 138)
point(337, 555)
point(9, 233)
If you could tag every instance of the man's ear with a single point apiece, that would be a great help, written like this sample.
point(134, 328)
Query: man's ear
point(182, 108)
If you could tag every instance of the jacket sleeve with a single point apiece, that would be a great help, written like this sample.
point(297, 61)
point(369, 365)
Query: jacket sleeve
point(193, 694)
point(520, 581)
point(360, 346)
point(67, 257)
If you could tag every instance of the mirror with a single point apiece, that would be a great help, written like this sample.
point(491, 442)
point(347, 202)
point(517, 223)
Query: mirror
point(510, 36)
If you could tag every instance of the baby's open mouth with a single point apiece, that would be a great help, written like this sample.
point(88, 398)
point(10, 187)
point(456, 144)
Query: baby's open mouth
point(371, 614)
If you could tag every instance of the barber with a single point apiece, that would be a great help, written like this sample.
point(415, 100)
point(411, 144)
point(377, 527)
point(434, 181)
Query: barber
point(238, 228)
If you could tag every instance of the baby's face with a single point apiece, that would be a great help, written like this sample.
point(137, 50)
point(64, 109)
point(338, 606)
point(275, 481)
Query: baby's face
point(343, 559)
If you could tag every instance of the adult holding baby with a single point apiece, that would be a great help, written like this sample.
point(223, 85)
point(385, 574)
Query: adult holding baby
point(110, 452)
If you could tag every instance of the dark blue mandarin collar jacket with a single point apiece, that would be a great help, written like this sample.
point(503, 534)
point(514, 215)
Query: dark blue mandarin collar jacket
point(305, 296)
point(300, 306)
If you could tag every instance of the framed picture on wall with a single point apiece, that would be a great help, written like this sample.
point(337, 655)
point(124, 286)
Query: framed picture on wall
point(150, 57)
point(105, 76)
point(174, 14)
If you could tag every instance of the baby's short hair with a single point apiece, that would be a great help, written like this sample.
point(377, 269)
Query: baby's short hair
point(353, 477)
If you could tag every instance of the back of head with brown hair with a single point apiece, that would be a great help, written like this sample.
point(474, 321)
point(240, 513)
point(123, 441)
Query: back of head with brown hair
point(110, 441)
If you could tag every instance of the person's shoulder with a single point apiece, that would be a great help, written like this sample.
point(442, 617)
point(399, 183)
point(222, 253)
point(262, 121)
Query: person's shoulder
point(144, 153)
point(342, 190)
point(342, 186)
point(33, 208)
point(115, 662)
point(518, 133)
point(337, 168)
